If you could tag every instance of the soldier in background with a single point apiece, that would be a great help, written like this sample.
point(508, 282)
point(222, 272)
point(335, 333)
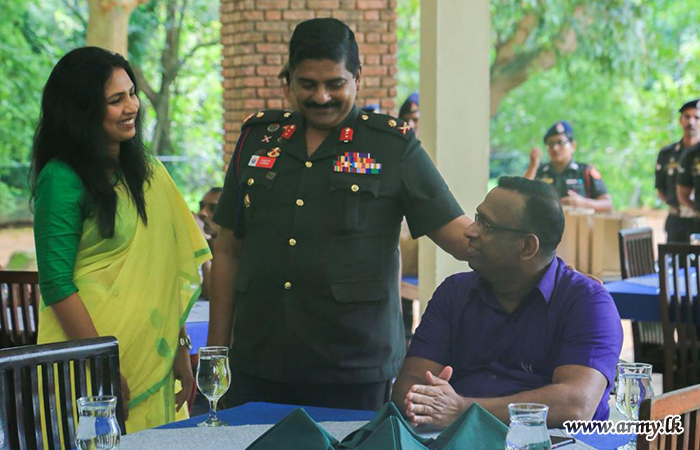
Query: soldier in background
point(680, 217)
point(579, 185)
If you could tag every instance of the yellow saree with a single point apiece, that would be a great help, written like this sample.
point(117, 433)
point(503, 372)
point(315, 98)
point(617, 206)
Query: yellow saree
point(139, 286)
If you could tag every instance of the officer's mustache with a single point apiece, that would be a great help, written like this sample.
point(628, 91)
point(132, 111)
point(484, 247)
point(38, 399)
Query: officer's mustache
point(322, 106)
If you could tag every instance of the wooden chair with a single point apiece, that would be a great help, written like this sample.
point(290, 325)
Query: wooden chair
point(64, 379)
point(637, 259)
point(19, 299)
point(683, 402)
point(679, 267)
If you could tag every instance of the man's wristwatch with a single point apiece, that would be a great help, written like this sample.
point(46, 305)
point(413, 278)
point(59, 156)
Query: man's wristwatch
point(185, 342)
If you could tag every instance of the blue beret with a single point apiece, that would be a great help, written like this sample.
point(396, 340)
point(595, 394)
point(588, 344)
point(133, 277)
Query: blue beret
point(561, 127)
point(691, 104)
point(408, 105)
point(372, 107)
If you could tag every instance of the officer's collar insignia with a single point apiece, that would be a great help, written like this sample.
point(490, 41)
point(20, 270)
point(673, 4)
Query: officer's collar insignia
point(288, 131)
point(346, 135)
point(404, 128)
point(266, 138)
point(274, 153)
point(354, 162)
point(560, 128)
point(391, 123)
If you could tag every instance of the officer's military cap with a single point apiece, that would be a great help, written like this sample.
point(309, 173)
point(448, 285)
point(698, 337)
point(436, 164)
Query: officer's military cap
point(410, 105)
point(372, 107)
point(561, 127)
point(691, 104)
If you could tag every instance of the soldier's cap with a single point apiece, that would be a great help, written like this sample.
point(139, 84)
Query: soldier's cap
point(561, 127)
point(691, 104)
point(372, 107)
point(410, 105)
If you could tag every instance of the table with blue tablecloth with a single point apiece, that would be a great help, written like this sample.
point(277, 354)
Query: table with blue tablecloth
point(257, 417)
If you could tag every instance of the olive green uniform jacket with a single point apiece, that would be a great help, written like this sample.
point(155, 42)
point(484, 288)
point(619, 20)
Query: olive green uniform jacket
point(317, 294)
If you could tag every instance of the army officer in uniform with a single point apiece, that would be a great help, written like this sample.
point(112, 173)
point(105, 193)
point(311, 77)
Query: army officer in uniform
point(305, 271)
point(579, 185)
point(680, 218)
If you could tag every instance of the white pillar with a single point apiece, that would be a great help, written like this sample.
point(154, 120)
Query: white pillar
point(454, 113)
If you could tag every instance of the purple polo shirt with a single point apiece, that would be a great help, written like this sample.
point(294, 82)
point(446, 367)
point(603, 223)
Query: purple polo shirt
point(566, 319)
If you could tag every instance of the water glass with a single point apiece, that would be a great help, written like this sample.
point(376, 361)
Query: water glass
point(213, 380)
point(633, 386)
point(98, 428)
point(528, 427)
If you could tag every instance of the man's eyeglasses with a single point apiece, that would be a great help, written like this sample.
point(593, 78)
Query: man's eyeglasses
point(486, 227)
point(558, 143)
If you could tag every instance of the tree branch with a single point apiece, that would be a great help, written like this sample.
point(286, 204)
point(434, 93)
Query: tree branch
point(507, 50)
point(145, 85)
point(76, 12)
point(193, 50)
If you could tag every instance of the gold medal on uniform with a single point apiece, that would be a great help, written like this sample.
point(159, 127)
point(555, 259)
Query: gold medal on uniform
point(274, 153)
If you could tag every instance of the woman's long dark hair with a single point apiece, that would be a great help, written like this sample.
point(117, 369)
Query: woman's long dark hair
point(70, 130)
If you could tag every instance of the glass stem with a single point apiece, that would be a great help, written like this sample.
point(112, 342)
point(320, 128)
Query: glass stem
point(212, 410)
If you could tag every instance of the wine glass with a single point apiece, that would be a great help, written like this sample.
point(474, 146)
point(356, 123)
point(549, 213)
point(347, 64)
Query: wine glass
point(633, 386)
point(213, 380)
point(97, 424)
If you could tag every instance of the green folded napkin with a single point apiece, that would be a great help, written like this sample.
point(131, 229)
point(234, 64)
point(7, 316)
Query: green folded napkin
point(296, 431)
point(475, 428)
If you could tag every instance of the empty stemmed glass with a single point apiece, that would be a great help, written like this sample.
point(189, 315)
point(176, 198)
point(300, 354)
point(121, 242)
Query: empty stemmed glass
point(213, 380)
point(633, 386)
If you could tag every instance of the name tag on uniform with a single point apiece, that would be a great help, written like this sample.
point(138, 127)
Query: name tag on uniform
point(571, 181)
point(264, 162)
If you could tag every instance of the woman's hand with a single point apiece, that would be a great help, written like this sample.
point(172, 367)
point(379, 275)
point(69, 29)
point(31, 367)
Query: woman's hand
point(182, 369)
point(126, 396)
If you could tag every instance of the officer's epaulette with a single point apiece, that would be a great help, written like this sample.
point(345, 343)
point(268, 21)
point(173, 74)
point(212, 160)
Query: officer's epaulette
point(387, 123)
point(266, 116)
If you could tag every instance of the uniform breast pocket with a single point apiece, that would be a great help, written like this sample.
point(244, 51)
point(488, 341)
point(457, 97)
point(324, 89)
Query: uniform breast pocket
point(354, 197)
point(256, 188)
point(577, 185)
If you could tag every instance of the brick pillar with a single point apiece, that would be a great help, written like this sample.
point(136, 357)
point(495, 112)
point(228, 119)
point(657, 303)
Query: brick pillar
point(255, 36)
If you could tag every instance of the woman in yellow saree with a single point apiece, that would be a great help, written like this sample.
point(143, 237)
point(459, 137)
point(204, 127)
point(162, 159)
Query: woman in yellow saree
point(117, 248)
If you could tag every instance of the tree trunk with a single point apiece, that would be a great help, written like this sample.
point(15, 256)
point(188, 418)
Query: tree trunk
point(108, 24)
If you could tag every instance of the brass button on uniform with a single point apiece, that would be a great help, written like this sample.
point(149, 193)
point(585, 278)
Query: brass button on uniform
point(288, 285)
point(308, 164)
point(251, 181)
point(300, 202)
point(354, 188)
point(365, 117)
point(292, 242)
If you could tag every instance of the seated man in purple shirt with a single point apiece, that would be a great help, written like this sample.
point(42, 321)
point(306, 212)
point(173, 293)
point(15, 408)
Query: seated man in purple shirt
point(522, 327)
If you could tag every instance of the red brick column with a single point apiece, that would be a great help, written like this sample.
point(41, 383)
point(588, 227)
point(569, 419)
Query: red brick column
point(255, 35)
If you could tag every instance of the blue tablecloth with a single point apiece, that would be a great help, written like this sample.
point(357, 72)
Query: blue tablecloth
point(637, 298)
point(270, 413)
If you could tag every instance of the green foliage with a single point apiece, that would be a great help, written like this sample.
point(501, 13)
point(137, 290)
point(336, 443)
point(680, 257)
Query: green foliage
point(196, 109)
point(408, 38)
point(34, 34)
point(621, 118)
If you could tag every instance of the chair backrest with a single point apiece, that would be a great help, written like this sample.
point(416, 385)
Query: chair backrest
point(19, 299)
point(636, 252)
point(46, 380)
point(679, 267)
point(683, 402)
